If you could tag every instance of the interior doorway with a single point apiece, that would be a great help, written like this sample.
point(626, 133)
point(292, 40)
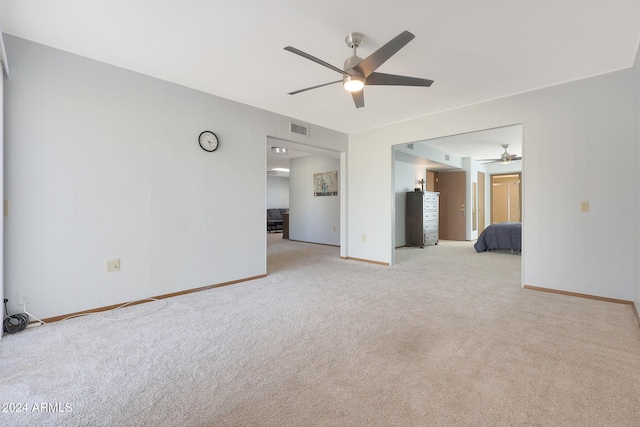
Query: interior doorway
point(291, 170)
point(452, 187)
point(477, 152)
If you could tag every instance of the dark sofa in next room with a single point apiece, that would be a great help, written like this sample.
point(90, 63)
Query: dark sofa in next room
point(274, 219)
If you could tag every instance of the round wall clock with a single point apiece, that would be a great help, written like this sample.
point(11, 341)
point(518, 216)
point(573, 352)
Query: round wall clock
point(208, 141)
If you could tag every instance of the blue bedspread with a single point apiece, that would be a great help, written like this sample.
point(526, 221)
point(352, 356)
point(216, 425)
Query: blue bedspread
point(503, 235)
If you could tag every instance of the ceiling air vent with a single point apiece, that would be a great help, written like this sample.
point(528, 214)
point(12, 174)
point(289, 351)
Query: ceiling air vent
point(299, 129)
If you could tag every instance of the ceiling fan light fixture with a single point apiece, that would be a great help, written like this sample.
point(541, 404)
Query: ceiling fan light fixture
point(278, 151)
point(505, 157)
point(353, 83)
point(357, 71)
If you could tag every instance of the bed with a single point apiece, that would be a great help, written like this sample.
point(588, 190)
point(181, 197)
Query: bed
point(500, 236)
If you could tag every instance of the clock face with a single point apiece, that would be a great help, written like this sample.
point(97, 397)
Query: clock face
point(208, 141)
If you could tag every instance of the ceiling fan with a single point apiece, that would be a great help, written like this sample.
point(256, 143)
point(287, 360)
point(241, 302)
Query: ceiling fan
point(359, 72)
point(505, 158)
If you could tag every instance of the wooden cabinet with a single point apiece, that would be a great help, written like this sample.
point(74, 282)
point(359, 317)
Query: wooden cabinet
point(421, 222)
point(285, 225)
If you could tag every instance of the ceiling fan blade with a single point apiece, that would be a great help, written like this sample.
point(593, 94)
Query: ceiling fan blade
point(379, 57)
point(393, 79)
point(314, 87)
point(358, 98)
point(512, 159)
point(313, 58)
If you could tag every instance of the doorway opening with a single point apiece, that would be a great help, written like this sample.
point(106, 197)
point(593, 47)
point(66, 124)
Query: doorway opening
point(452, 189)
point(290, 169)
point(478, 156)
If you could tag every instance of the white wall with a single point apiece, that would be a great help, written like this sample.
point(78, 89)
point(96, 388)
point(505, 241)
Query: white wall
point(104, 163)
point(277, 192)
point(586, 124)
point(471, 168)
point(312, 219)
point(406, 179)
point(2, 293)
point(635, 193)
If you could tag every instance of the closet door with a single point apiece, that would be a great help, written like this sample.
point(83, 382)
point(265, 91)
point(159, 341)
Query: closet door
point(453, 193)
point(506, 198)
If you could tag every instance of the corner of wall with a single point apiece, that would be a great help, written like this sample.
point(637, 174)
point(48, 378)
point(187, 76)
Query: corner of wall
point(3, 56)
point(636, 190)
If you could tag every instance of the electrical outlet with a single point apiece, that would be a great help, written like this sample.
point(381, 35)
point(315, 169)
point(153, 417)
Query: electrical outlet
point(584, 206)
point(112, 265)
point(364, 237)
point(24, 297)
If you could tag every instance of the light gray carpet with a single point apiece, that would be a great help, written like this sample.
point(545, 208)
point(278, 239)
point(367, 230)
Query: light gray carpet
point(445, 337)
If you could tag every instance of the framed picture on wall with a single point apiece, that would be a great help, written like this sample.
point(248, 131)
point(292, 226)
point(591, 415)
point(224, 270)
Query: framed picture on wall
point(325, 183)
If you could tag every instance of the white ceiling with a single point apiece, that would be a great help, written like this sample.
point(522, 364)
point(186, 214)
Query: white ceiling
point(485, 144)
point(474, 50)
point(480, 145)
point(293, 150)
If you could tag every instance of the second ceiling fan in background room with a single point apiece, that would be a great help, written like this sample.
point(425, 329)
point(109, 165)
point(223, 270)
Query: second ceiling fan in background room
point(359, 72)
point(505, 158)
